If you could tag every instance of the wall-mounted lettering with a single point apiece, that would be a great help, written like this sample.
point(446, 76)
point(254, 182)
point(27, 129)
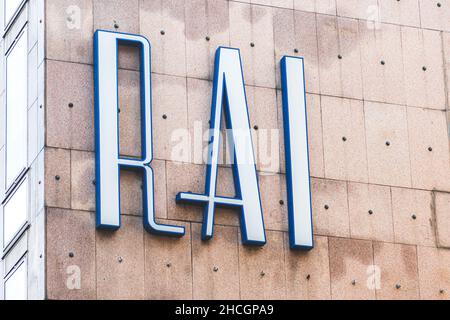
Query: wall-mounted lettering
point(108, 160)
point(229, 95)
point(229, 102)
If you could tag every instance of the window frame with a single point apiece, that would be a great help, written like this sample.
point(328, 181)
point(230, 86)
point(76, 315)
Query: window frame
point(7, 23)
point(16, 181)
point(6, 247)
point(11, 32)
point(23, 261)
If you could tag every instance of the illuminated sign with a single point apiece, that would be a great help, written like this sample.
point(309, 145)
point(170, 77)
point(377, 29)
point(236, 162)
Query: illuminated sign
point(229, 102)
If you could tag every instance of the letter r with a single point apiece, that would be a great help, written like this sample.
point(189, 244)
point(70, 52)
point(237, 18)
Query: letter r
point(109, 163)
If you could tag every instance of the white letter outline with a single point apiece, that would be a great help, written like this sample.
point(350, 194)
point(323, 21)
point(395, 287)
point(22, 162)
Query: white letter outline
point(229, 94)
point(108, 160)
point(298, 176)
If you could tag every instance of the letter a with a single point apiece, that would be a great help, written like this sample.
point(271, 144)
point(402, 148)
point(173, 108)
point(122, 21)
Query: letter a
point(229, 94)
point(108, 160)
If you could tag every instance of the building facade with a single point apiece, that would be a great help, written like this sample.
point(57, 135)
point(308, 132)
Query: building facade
point(377, 76)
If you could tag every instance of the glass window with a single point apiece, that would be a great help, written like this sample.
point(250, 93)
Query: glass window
point(10, 8)
point(15, 213)
point(16, 284)
point(16, 109)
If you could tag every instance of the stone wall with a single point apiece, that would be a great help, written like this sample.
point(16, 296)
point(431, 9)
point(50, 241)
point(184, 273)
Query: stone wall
point(378, 78)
